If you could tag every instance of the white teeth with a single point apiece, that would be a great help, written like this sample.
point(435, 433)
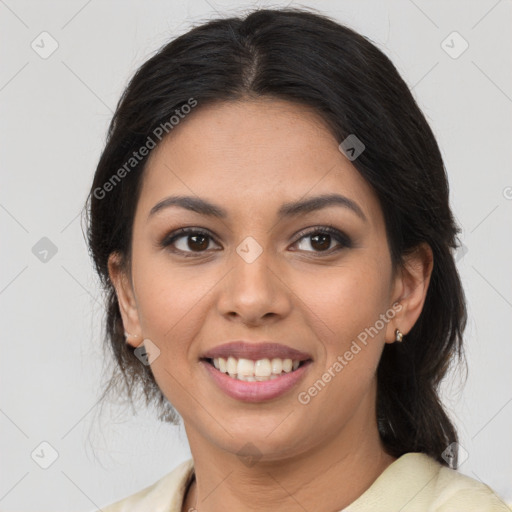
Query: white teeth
point(252, 371)
point(245, 367)
point(231, 365)
point(287, 365)
point(277, 366)
point(262, 368)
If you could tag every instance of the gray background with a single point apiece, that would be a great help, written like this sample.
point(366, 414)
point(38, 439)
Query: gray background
point(53, 119)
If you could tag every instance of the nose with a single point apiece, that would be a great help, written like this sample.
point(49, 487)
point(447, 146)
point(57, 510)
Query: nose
point(254, 292)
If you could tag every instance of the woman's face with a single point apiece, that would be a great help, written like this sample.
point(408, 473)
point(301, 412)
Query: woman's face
point(259, 275)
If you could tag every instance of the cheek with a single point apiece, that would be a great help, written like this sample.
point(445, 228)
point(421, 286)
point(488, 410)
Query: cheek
point(348, 303)
point(171, 302)
point(346, 300)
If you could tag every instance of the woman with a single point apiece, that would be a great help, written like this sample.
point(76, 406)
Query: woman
point(270, 219)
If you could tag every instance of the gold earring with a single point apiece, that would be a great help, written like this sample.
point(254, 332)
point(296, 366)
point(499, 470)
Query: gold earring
point(399, 336)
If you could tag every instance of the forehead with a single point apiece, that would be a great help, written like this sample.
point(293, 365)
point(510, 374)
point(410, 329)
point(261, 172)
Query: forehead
point(252, 155)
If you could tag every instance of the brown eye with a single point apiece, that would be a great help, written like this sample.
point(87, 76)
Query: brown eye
point(197, 242)
point(321, 239)
point(187, 241)
point(321, 242)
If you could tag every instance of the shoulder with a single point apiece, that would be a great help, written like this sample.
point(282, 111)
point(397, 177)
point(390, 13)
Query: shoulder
point(454, 491)
point(166, 494)
point(416, 482)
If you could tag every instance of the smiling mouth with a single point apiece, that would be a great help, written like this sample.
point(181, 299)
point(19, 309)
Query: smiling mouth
point(260, 370)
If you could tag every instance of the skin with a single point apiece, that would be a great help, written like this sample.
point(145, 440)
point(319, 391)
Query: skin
point(250, 157)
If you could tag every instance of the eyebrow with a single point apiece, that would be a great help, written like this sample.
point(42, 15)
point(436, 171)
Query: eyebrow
point(303, 206)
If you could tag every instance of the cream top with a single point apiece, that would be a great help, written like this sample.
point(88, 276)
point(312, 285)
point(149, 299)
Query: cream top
point(414, 482)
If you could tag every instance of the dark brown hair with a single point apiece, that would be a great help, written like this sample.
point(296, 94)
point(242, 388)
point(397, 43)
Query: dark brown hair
point(307, 58)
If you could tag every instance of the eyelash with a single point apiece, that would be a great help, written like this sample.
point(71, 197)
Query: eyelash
point(337, 235)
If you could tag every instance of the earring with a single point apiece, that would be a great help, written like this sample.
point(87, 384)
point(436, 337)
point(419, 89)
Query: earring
point(399, 336)
point(128, 335)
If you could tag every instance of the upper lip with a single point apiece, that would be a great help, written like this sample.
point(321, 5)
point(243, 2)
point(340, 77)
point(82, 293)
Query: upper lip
point(255, 351)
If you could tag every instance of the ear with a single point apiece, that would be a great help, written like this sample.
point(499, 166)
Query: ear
point(126, 298)
point(410, 290)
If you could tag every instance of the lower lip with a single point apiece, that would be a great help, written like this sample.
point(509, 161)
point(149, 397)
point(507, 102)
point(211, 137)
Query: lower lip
point(256, 391)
